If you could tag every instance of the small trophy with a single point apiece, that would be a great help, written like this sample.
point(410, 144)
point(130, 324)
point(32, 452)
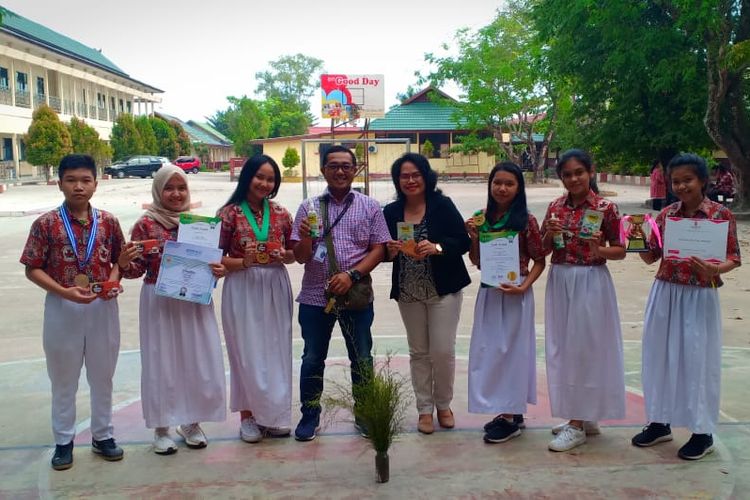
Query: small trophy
point(636, 238)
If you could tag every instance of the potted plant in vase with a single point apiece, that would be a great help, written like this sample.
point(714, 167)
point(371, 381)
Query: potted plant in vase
point(379, 404)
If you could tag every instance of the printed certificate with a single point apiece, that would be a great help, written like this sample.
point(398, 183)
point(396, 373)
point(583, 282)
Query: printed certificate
point(702, 238)
point(199, 230)
point(185, 274)
point(499, 258)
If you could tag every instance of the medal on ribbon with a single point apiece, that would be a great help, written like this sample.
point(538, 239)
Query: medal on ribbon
point(82, 279)
point(262, 255)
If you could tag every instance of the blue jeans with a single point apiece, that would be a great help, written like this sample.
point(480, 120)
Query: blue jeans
point(317, 327)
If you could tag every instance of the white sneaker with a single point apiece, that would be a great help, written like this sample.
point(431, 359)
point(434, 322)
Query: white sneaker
point(163, 444)
point(591, 428)
point(275, 431)
point(249, 431)
point(193, 435)
point(567, 439)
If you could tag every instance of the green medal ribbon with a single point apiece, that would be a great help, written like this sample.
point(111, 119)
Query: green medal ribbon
point(261, 234)
point(486, 227)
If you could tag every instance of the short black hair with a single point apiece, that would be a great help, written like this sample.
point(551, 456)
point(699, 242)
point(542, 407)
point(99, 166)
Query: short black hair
point(73, 161)
point(518, 219)
point(249, 169)
point(423, 165)
point(697, 163)
point(337, 149)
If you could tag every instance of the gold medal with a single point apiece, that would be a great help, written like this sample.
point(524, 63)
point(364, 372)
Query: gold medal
point(81, 280)
point(478, 219)
point(262, 258)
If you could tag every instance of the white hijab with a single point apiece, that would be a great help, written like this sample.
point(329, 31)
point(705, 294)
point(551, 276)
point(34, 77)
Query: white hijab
point(157, 211)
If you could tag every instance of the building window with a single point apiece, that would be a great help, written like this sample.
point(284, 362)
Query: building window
point(40, 86)
point(83, 96)
point(4, 83)
point(122, 106)
point(112, 103)
point(130, 107)
point(22, 150)
point(22, 82)
point(7, 149)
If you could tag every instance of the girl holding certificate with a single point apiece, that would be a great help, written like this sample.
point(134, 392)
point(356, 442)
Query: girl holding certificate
point(682, 324)
point(256, 309)
point(428, 276)
point(583, 341)
point(182, 364)
point(502, 356)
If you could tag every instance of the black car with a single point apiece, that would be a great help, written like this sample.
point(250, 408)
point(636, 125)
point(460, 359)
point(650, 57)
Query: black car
point(135, 166)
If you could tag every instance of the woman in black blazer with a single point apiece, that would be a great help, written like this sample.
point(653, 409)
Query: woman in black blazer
point(429, 240)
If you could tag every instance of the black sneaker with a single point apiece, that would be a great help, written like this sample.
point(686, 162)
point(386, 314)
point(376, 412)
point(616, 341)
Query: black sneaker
point(501, 432)
point(653, 433)
point(492, 423)
point(63, 457)
point(307, 428)
point(361, 428)
point(108, 449)
point(518, 420)
point(698, 447)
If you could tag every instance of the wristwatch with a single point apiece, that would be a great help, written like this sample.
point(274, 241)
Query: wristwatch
point(354, 275)
point(439, 248)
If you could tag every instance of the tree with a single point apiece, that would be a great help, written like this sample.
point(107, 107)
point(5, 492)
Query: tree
point(125, 139)
point(290, 160)
point(245, 121)
point(285, 118)
point(507, 96)
point(638, 82)
point(47, 139)
point(722, 30)
point(166, 138)
point(291, 79)
point(204, 154)
point(85, 140)
point(407, 94)
point(184, 146)
point(428, 148)
point(148, 138)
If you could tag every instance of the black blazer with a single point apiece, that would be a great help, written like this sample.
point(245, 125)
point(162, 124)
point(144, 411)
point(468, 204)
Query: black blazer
point(445, 226)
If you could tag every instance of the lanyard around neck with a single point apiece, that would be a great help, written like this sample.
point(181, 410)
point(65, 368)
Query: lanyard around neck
point(71, 236)
point(261, 233)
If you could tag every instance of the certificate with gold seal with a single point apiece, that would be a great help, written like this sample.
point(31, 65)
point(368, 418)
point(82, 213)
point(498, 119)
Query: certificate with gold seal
point(499, 258)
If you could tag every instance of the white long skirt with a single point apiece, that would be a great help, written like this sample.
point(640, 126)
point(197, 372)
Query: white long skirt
point(256, 313)
point(182, 364)
point(585, 373)
point(682, 356)
point(502, 355)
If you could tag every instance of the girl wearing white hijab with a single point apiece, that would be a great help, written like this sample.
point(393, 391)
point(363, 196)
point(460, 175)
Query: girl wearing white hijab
point(182, 377)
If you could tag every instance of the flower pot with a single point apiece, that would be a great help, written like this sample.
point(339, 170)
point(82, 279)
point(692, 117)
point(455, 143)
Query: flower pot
point(382, 466)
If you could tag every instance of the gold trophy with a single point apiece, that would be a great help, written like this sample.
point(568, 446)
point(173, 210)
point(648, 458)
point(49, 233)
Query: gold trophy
point(636, 236)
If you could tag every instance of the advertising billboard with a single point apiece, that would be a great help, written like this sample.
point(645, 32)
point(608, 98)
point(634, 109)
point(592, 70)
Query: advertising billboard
point(348, 97)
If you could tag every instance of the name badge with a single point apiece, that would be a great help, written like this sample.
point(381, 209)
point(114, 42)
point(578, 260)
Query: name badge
point(321, 252)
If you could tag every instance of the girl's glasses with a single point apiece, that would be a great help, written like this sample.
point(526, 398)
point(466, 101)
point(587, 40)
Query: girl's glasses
point(414, 176)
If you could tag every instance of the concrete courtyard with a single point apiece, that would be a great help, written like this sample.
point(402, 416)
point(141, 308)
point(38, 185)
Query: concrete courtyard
point(339, 463)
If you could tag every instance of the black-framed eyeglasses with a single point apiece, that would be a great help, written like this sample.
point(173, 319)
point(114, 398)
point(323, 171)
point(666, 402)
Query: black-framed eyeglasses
point(414, 176)
point(344, 167)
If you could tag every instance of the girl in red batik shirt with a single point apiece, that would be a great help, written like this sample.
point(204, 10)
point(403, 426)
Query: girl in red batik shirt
point(682, 324)
point(583, 340)
point(182, 364)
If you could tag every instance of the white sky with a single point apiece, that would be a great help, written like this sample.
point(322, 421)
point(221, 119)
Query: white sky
point(199, 52)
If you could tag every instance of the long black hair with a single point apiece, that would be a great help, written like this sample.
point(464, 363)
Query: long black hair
point(423, 165)
point(519, 212)
point(697, 163)
point(581, 157)
point(249, 169)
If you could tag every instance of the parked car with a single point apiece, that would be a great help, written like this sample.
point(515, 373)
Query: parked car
point(135, 166)
point(188, 163)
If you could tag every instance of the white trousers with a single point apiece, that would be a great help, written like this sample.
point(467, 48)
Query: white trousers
point(431, 332)
point(75, 334)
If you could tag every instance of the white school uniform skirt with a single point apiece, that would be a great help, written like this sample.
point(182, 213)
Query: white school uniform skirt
point(502, 356)
point(182, 377)
point(256, 313)
point(583, 343)
point(682, 356)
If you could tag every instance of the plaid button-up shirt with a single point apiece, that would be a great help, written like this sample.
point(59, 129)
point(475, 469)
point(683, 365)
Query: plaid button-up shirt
point(361, 226)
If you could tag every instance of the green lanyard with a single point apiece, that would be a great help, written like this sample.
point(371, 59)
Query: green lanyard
point(261, 234)
point(486, 228)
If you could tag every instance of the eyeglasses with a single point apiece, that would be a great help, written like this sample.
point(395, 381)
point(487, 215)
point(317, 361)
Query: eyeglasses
point(344, 167)
point(414, 176)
